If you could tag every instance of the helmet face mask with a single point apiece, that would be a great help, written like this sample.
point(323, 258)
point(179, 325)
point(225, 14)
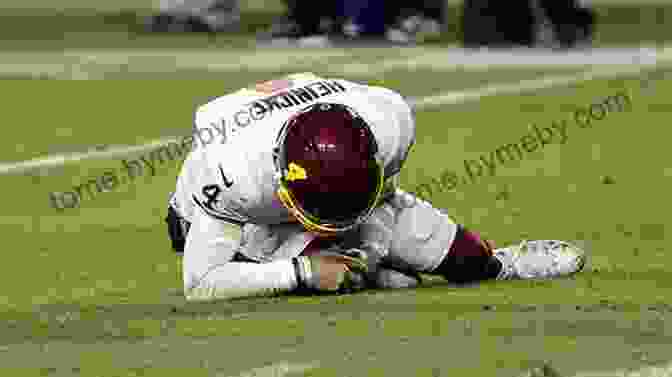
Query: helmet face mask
point(328, 172)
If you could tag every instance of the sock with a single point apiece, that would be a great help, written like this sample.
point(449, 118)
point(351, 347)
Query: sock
point(469, 260)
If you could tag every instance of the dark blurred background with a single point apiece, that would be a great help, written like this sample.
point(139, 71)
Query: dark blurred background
point(197, 23)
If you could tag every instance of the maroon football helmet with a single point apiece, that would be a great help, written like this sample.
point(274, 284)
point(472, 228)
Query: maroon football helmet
point(329, 175)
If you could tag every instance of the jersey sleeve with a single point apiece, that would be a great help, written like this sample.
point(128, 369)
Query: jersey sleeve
point(210, 272)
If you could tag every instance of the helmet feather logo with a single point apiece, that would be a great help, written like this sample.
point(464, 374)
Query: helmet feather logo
point(296, 172)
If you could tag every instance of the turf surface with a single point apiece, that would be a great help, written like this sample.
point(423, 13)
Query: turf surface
point(102, 112)
point(95, 290)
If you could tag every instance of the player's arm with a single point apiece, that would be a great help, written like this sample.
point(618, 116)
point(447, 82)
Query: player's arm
point(210, 274)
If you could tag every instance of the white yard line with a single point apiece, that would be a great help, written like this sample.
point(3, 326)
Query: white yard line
point(650, 371)
point(447, 98)
point(523, 86)
point(96, 64)
point(62, 159)
point(280, 369)
point(451, 97)
point(459, 59)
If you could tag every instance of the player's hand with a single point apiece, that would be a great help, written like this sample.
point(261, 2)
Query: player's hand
point(332, 271)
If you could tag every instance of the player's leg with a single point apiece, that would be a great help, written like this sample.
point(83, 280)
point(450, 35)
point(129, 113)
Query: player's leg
point(572, 23)
point(178, 228)
point(412, 235)
point(196, 15)
point(497, 23)
point(469, 259)
point(222, 15)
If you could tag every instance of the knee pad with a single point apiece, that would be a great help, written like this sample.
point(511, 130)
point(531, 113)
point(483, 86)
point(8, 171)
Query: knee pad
point(412, 234)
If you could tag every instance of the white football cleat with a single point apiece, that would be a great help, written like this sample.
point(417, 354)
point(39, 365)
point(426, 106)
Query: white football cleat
point(542, 259)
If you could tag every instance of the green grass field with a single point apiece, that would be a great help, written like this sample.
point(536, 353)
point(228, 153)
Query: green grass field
point(39, 25)
point(96, 290)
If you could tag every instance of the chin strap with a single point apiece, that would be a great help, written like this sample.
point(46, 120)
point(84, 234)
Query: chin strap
point(329, 230)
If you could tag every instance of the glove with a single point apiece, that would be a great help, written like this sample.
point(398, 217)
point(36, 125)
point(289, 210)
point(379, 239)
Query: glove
point(333, 272)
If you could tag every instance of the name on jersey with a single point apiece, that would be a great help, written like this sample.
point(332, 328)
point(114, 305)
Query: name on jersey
point(258, 109)
point(294, 97)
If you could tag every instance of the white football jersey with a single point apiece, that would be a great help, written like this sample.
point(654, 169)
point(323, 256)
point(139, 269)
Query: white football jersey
point(242, 239)
point(232, 178)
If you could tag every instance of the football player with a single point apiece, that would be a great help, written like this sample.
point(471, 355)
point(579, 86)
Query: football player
point(195, 16)
point(300, 196)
